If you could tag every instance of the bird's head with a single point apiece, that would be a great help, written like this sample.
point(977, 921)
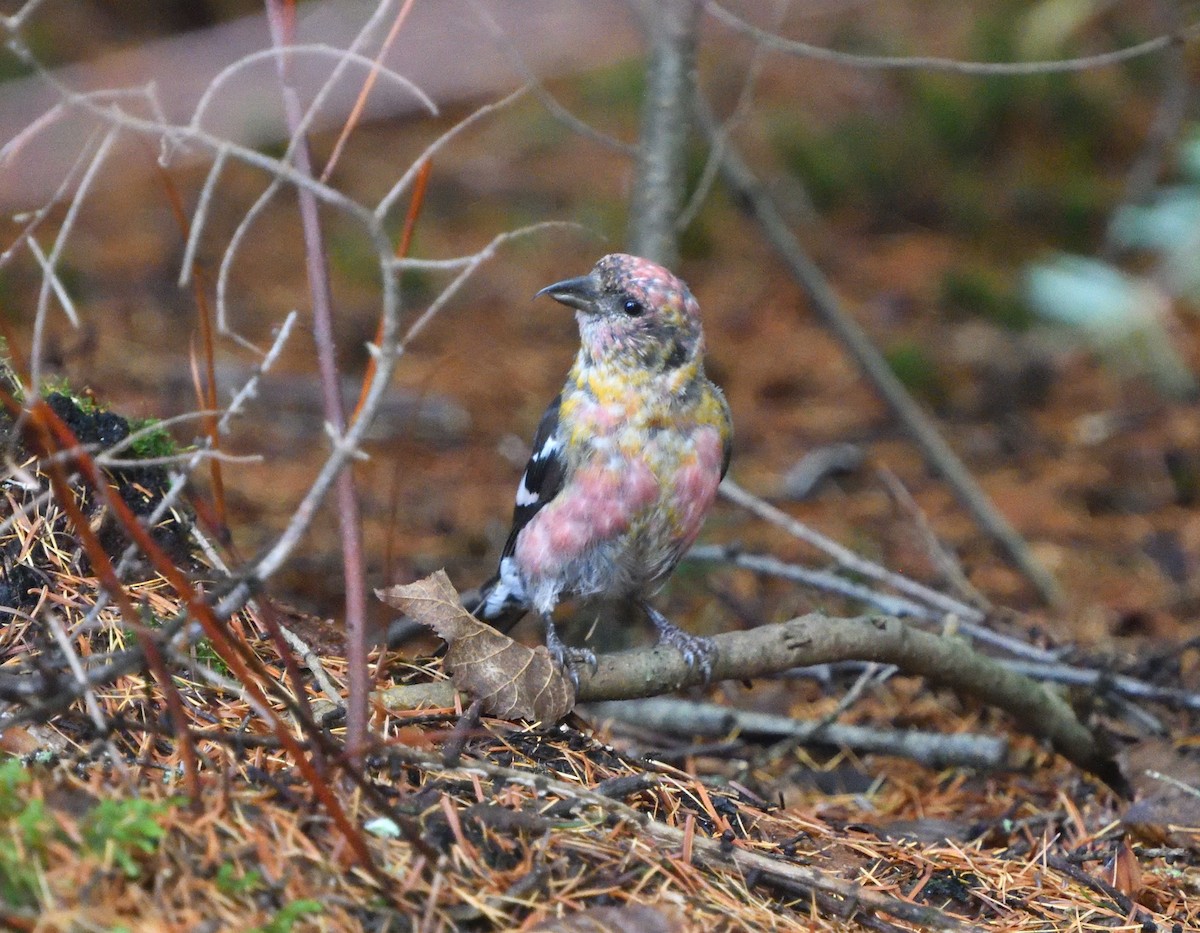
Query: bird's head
point(633, 314)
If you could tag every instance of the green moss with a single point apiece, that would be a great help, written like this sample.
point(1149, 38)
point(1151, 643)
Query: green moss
point(234, 882)
point(25, 831)
point(622, 85)
point(982, 293)
point(156, 442)
point(913, 367)
point(118, 829)
point(207, 655)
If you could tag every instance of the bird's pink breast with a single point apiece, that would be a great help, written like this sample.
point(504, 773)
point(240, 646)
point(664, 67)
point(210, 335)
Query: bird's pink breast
point(696, 484)
point(599, 505)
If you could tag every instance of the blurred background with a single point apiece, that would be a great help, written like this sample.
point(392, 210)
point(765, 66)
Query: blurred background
point(1021, 249)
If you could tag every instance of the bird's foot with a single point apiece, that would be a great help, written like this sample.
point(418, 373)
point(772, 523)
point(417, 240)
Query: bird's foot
point(568, 657)
point(699, 653)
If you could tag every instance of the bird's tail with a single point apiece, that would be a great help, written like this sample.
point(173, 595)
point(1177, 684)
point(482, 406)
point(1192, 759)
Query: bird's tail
point(495, 604)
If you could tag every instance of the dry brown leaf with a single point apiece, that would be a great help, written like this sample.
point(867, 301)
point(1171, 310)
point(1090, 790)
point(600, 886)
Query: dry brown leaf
point(18, 740)
point(1126, 872)
point(512, 681)
point(1167, 810)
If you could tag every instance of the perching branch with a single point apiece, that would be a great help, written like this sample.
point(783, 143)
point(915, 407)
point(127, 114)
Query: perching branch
point(818, 639)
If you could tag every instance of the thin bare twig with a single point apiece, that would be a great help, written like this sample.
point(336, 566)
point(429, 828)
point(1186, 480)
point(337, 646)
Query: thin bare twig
point(467, 266)
point(348, 508)
point(77, 671)
point(688, 718)
point(368, 84)
point(343, 58)
point(741, 109)
point(1104, 682)
point(945, 560)
point(932, 63)
point(845, 557)
point(385, 204)
point(33, 220)
point(548, 100)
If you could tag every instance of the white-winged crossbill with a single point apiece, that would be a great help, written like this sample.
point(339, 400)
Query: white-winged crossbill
point(626, 460)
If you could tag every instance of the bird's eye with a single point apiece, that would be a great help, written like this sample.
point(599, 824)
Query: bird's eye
point(633, 308)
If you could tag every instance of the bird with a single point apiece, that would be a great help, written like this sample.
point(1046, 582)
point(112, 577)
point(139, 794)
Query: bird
point(625, 461)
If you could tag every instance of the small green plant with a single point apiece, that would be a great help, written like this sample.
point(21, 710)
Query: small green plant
point(982, 293)
point(25, 828)
point(234, 882)
point(289, 915)
point(917, 371)
point(207, 655)
point(13, 777)
point(120, 830)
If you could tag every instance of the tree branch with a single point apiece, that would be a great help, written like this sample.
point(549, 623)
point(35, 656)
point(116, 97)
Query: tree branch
point(1178, 34)
point(666, 119)
point(818, 639)
point(935, 750)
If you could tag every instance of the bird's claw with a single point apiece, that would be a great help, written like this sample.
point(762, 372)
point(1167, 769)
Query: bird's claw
point(699, 653)
point(569, 658)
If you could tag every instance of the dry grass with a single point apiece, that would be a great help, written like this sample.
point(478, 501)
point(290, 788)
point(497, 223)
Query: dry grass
point(514, 825)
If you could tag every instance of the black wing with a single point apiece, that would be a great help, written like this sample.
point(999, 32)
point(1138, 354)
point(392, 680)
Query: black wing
point(727, 434)
point(543, 477)
point(500, 601)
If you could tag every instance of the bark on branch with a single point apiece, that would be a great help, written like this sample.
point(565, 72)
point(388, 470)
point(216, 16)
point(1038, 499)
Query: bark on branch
point(666, 121)
point(818, 639)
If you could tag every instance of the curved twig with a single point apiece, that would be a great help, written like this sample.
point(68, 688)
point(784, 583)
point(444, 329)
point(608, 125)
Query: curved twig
point(932, 63)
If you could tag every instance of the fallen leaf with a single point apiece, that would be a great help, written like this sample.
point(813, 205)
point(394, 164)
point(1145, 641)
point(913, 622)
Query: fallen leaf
point(18, 740)
point(511, 680)
point(1167, 811)
point(1126, 872)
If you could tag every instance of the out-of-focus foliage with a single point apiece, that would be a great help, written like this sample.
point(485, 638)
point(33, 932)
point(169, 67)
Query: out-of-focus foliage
point(1127, 315)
